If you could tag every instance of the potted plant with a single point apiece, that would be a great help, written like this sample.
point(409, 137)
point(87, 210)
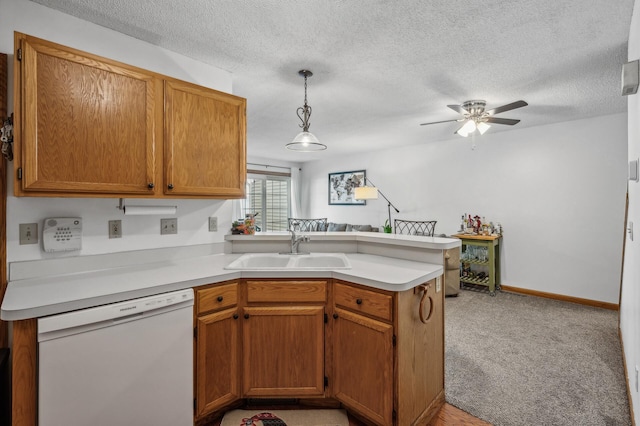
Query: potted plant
point(387, 227)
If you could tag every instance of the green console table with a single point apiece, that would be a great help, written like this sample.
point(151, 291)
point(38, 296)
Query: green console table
point(480, 260)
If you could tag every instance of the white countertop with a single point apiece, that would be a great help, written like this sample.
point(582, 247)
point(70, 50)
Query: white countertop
point(42, 296)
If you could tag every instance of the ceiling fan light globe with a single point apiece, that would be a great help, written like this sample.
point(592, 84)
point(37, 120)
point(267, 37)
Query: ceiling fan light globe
point(483, 127)
point(468, 128)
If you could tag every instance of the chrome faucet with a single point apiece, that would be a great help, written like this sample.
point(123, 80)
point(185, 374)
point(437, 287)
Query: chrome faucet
point(296, 240)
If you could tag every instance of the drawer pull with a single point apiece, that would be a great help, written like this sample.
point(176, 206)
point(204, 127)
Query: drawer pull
point(246, 316)
point(151, 185)
point(424, 320)
point(235, 316)
point(359, 301)
point(220, 298)
point(335, 316)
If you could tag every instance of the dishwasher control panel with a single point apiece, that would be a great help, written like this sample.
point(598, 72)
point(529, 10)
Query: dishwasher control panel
point(62, 234)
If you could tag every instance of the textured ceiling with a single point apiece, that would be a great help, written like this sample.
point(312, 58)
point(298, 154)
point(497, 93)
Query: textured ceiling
point(382, 67)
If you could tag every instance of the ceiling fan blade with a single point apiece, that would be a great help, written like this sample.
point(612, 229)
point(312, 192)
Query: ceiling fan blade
point(507, 107)
point(498, 120)
point(458, 109)
point(437, 122)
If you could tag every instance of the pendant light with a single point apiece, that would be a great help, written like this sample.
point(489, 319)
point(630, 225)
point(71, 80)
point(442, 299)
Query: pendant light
point(305, 141)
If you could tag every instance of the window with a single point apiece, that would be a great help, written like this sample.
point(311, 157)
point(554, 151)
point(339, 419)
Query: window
point(269, 197)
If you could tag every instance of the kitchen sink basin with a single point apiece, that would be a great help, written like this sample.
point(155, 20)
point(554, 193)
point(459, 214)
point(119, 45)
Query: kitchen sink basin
point(285, 262)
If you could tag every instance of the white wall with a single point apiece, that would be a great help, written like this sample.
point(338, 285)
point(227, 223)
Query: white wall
point(138, 232)
point(630, 300)
point(557, 190)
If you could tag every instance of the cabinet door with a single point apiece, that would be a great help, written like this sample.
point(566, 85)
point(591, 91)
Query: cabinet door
point(205, 141)
point(363, 365)
point(217, 361)
point(84, 124)
point(283, 351)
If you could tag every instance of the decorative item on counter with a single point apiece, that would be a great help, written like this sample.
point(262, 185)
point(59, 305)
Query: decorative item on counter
point(387, 227)
point(477, 225)
point(250, 224)
point(246, 226)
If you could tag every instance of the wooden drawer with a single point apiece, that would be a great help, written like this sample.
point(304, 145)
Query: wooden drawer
point(364, 301)
point(287, 291)
point(216, 298)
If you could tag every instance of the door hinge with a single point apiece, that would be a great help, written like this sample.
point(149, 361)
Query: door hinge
point(326, 381)
point(394, 340)
point(326, 318)
point(19, 53)
point(19, 173)
point(194, 404)
point(195, 332)
point(394, 415)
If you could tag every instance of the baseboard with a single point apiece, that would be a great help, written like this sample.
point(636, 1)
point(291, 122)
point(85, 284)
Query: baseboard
point(627, 382)
point(561, 297)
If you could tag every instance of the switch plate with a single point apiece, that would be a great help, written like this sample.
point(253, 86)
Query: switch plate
point(213, 224)
point(633, 170)
point(115, 229)
point(168, 226)
point(28, 233)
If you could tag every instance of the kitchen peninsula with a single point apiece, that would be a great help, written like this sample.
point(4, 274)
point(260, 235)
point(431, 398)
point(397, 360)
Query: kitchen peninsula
point(370, 337)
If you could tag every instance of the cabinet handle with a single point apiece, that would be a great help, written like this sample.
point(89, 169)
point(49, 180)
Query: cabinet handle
point(335, 316)
point(235, 316)
point(150, 185)
point(170, 186)
point(359, 301)
point(246, 316)
point(425, 295)
point(220, 298)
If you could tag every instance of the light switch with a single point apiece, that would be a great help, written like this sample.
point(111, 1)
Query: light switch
point(633, 170)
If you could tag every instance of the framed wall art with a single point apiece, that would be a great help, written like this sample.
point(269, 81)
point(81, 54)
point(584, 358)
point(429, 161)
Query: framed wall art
point(342, 186)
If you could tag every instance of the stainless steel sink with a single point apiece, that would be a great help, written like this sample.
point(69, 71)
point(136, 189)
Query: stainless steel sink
point(273, 261)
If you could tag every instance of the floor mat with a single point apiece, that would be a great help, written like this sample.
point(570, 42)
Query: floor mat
point(285, 418)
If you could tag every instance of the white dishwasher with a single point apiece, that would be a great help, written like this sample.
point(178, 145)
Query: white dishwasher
point(127, 363)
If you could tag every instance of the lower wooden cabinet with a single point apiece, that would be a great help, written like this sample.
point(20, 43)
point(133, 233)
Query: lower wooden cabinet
point(217, 361)
point(363, 365)
point(217, 348)
point(283, 351)
point(379, 353)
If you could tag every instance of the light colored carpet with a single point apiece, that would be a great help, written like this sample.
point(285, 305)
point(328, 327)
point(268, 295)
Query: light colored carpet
point(289, 417)
point(523, 360)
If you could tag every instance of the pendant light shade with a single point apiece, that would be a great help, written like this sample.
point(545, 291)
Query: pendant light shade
point(305, 141)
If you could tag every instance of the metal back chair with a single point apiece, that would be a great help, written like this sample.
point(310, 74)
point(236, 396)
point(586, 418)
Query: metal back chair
point(414, 227)
point(308, 225)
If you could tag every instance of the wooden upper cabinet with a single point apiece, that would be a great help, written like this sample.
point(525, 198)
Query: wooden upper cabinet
point(90, 126)
point(84, 124)
point(204, 141)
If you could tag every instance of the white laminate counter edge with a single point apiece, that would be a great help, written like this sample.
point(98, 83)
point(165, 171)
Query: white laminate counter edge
point(438, 243)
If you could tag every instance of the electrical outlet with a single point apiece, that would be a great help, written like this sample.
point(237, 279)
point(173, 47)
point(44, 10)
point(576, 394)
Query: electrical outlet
point(28, 233)
point(213, 224)
point(168, 226)
point(115, 229)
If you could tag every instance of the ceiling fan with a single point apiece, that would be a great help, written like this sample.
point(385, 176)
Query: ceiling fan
point(477, 118)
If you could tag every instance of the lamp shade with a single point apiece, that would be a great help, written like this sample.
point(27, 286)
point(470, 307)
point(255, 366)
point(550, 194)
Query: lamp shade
point(366, 193)
point(305, 141)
